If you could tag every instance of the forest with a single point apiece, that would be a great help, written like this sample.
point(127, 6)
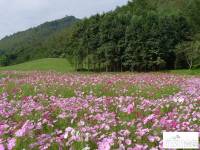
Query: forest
point(147, 35)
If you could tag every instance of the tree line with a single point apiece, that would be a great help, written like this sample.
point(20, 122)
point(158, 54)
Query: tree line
point(138, 37)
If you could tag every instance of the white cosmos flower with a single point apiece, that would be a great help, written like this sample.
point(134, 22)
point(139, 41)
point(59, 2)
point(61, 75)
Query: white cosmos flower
point(66, 135)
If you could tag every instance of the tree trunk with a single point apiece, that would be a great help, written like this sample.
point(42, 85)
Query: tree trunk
point(106, 68)
point(121, 67)
point(88, 59)
point(99, 67)
point(88, 66)
point(190, 63)
point(75, 63)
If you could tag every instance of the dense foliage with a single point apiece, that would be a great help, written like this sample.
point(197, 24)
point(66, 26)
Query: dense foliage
point(142, 36)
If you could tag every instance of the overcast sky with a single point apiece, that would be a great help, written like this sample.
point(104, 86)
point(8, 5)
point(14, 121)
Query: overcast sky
point(18, 15)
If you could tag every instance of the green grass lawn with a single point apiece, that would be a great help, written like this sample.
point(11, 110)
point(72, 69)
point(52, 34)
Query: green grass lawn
point(47, 64)
point(186, 71)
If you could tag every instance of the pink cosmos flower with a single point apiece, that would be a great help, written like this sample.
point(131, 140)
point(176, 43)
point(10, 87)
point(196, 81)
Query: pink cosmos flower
point(140, 147)
point(25, 128)
point(69, 129)
point(130, 108)
point(105, 144)
point(154, 148)
point(163, 121)
point(2, 147)
point(151, 138)
point(128, 142)
point(147, 119)
point(11, 143)
point(142, 132)
point(2, 128)
point(173, 124)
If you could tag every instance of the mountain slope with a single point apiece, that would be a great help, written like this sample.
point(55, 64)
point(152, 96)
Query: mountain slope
point(28, 44)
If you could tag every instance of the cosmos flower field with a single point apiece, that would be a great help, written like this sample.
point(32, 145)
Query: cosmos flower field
point(48, 110)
